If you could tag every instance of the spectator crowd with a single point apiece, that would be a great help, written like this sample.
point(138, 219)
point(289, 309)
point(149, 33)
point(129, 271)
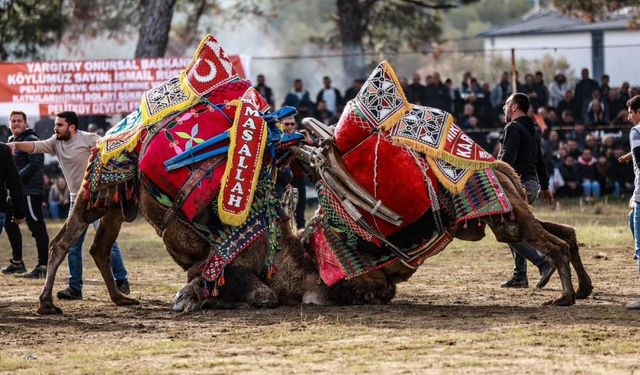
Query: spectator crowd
point(584, 126)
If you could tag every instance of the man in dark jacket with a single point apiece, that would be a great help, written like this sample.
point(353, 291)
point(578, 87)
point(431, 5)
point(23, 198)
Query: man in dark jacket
point(521, 147)
point(32, 177)
point(9, 180)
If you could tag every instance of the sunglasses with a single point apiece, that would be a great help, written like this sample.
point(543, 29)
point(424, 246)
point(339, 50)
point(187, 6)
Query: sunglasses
point(289, 123)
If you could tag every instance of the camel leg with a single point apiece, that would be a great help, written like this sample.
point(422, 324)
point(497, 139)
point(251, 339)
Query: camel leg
point(106, 235)
point(568, 234)
point(558, 251)
point(242, 285)
point(58, 249)
point(189, 297)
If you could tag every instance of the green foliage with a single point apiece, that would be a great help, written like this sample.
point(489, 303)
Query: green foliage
point(594, 10)
point(469, 20)
point(28, 25)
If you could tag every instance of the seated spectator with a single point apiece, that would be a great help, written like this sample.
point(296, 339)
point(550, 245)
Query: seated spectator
point(621, 174)
point(569, 103)
point(608, 143)
point(59, 199)
point(579, 135)
point(596, 115)
point(593, 144)
point(468, 113)
point(603, 174)
point(617, 108)
point(569, 173)
point(587, 174)
point(573, 149)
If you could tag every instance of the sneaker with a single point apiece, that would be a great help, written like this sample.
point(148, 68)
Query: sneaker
point(14, 267)
point(39, 272)
point(70, 293)
point(123, 286)
point(546, 271)
point(633, 305)
point(516, 282)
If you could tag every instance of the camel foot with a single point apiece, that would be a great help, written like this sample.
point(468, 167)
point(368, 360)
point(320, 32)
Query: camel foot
point(262, 297)
point(563, 300)
point(48, 308)
point(126, 301)
point(186, 300)
point(315, 296)
point(584, 292)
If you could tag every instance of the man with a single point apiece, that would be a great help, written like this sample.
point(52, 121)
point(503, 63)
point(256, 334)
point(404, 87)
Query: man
point(10, 180)
point(584, 90)
point(32, 177)
point(299, 178)
point(633, 108)
point(329, 95)
point(437, 94)
point(73, 148)
point(265, 91)
point(354, 89)
point(521, 148)
point(299, 97)
point(416, 90)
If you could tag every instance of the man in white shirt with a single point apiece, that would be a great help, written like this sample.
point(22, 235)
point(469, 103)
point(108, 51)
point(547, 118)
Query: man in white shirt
point(73, 149)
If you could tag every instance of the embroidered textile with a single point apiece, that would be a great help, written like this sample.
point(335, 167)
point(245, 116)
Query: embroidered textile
point(248, 137)
point(381, 99)
point(114, 181)
point(122, 137)
point(162, 100)
point(482, 196)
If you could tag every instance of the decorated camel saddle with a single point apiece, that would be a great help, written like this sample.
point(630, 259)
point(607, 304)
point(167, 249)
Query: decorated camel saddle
point(392, 176)
point(204, 146)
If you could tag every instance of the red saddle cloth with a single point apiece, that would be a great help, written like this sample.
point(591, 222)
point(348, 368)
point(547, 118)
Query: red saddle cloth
point(388, 172)
point(193, 126)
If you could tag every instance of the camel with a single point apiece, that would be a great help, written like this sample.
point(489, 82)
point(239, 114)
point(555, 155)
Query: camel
point(297, 280)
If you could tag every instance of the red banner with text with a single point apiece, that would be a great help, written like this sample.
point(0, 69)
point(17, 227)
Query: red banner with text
point(94, 87)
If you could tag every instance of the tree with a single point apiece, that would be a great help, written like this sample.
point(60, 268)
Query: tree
point(154, 28)
point(386, 26)
point(593, 10)
point(28, 25)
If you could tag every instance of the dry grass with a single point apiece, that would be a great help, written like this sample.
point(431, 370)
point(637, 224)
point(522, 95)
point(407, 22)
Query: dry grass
point(450, 318)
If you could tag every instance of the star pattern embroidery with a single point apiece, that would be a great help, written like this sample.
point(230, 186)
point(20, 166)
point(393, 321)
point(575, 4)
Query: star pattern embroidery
point(164, 96)
point(451, 172)
point(380, 98)
point(422, 124)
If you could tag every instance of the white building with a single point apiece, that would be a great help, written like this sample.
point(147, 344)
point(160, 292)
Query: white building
point(605, 47)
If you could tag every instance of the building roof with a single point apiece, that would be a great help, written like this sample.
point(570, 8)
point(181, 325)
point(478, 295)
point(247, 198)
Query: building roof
point(550, 21)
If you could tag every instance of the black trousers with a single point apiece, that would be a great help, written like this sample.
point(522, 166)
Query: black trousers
point(300, 184)
point(36, 224)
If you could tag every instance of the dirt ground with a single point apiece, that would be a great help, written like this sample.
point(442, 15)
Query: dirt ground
point(451, 317)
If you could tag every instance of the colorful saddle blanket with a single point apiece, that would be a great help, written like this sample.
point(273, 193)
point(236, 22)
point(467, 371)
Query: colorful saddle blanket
point(184, 131)
point(417, 162)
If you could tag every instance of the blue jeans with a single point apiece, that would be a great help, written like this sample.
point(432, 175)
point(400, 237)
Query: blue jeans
point(54, 209)
point(590, 189)
point(634, 225)
point(74, 260)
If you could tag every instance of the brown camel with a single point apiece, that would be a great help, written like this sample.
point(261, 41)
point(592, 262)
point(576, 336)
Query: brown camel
point(298, 280)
